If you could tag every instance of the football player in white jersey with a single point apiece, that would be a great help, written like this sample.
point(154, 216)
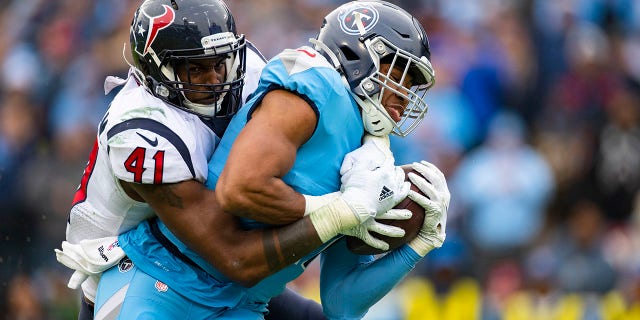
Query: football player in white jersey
point(192, 72)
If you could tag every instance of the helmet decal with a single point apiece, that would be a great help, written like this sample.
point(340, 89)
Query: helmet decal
point(162, 45)
point(366, 41)
point(158, 23)
point(350, 16)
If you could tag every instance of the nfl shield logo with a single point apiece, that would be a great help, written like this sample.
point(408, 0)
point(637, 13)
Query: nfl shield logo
point(125, 265)
point(161, 286)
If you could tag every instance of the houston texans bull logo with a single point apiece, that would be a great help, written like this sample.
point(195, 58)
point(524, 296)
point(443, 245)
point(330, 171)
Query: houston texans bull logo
point(156, 23)
point(351, 17)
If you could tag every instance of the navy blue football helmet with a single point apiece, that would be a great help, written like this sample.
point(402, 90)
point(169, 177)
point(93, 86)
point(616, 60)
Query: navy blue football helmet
point(360, 35)
point(168, 33)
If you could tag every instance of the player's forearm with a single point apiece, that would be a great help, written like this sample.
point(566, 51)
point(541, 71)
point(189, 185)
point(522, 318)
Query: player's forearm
point(248, 257)
point(285, 245)
point(245, 256)
point(269, 201)
point(346, 278)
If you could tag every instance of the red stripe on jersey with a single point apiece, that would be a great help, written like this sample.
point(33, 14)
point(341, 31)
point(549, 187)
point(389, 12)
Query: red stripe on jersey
point(312, 55)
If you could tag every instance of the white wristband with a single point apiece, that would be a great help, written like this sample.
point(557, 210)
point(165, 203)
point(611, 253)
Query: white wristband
point(330, 219)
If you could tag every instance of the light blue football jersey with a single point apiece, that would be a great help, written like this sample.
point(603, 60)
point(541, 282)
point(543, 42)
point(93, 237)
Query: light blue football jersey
point(316, 171)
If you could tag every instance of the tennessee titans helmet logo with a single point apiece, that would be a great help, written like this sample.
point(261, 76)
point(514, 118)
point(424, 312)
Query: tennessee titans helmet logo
point(351, 17)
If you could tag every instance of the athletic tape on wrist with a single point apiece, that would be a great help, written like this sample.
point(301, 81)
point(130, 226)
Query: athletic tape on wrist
point(332, 218)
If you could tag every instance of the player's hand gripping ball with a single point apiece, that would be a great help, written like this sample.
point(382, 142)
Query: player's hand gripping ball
point(411, 226)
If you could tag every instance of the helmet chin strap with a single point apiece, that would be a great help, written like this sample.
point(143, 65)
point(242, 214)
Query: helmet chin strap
point(374, 120)
point(208, 110)
point(232, 67)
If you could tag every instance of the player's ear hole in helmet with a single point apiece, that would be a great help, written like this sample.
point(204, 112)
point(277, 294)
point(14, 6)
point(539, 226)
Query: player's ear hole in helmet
point(193, 36)
point(357, 38)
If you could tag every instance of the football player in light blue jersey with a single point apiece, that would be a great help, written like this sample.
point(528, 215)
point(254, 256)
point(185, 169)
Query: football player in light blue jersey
point(282, 158)
point(192, 70)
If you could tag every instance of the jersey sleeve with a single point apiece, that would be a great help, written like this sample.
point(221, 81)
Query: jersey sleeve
point(149, 152)
point(307, 73)
point(361, 280)
point(255, 64)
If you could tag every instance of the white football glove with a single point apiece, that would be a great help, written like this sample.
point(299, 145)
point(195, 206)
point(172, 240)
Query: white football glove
point(89, 257)
point(435, 204)
point(371, 185)
point(363, 230)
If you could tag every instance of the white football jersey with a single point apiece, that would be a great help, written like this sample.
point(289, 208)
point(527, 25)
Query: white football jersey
point(141, 139)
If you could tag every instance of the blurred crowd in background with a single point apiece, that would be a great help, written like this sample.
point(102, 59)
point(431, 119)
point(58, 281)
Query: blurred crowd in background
point(534, 119)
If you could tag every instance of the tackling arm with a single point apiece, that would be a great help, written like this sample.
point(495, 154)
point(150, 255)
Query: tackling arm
point(192, 213)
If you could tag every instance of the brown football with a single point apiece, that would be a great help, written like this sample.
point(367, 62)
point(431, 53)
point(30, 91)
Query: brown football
point(410, 226)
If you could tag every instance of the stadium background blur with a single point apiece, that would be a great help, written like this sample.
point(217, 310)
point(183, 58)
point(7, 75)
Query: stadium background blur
point(535, 120)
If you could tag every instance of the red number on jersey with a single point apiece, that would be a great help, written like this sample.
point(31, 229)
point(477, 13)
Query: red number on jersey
point(157, 173)
point(135, 165)
point(81, 192)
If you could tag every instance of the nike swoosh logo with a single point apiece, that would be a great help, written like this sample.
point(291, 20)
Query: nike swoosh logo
point(153, 142)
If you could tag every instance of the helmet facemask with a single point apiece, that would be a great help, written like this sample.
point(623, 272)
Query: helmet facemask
point(417, 77)
point(360, 37)
point(224, 95)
